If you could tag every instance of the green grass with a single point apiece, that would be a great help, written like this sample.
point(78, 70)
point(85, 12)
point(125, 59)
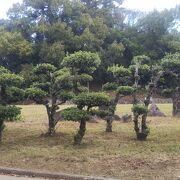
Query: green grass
point(116, 154)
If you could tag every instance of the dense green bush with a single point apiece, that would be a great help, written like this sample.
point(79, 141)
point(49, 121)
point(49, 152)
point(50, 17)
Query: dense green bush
point(92, 100)
point(100, 113)
point(145, 73)
point(167, 93)
point(75, 114)
point(110, 86)
point(125, 90)
point(140, 109)
point(10, 91)
point(65, 96)
point(44, 68)
point(35, 94)
point(15, 94)
point(84, 62)
point(10, 113)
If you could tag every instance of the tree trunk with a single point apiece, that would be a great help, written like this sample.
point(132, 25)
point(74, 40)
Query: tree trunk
point(136, 127)
point(79, 136)
point(109, 124)
point(112, 109)
point(1, 129)
point(51, 129)
point(176, 103)
point(51, 121)
point(3, 95)
point(75, 88)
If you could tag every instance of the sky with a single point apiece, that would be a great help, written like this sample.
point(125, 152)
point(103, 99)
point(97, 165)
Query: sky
point(149, 5)
point(143, 5)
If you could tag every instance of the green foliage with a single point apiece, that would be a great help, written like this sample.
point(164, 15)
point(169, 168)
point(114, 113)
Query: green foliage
point(44, 68)
point(82, 62)
point(9, 113)
point(27, 73)
point(171, 67)
point(119, 71)
point(48, 78)
point(82, 78)
point(114, 54)
point(65, 96)
point(3, 70)
point(9, 86)
point(41, 85)
point(92, 100)
point(110, 86)
point(36, 95)
point(140, 109)
point(75, 114)
point(121, 74)
point(50, 87)
point(10, 79)
point(171, 62)
point(82, 89)
point(100, 113)
point(145, 73)
point(13, 47)
point(167, 93)
point(141, 59)
point(125, 90)
point(15, 94)
point(52, 53)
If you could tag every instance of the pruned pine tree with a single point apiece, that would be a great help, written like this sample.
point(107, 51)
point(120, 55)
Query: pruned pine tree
point(119, 88)
point(50, 88)
point(81, 65)
point(85, 102)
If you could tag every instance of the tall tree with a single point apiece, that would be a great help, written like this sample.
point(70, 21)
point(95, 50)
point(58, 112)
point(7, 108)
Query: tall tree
point(170, 80)
point(14, 50)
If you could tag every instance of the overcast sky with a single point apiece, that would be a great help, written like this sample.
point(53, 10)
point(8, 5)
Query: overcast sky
point(143, 5)
point(149, 5)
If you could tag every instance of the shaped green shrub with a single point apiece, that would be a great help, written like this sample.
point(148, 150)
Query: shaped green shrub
point(93, 99)
point(125, 90)
point(110, 86)
point(140, 109)
point(75, 114)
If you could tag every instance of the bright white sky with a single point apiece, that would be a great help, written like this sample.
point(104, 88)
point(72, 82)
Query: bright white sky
point(143, 5)
point(149, 5)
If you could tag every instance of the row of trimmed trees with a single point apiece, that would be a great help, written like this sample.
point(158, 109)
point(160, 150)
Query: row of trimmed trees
point(52, 86)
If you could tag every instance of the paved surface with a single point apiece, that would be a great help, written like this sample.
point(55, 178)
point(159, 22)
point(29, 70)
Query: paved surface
point(20, 174)
point(3, 177)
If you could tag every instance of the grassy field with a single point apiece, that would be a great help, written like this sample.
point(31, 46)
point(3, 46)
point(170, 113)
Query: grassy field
point(116, 154)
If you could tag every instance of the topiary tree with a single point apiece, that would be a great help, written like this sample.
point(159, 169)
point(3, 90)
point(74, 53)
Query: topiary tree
point(50, 88)
point(85, 103)
point(82, 65)
point(170, 80)
point(140, 109)
point(120, 88)
point(75, 114)
point(9, 92)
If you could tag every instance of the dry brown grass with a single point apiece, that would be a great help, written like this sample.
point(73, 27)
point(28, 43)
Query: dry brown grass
point(117, 154)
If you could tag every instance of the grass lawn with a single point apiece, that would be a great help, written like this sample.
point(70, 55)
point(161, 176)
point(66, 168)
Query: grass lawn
point(116, 154)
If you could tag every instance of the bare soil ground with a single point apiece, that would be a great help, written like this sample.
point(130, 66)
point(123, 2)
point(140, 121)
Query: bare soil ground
point(116, 154)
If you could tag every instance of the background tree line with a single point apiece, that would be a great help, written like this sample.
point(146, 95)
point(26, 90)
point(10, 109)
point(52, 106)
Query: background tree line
point(45, 31)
